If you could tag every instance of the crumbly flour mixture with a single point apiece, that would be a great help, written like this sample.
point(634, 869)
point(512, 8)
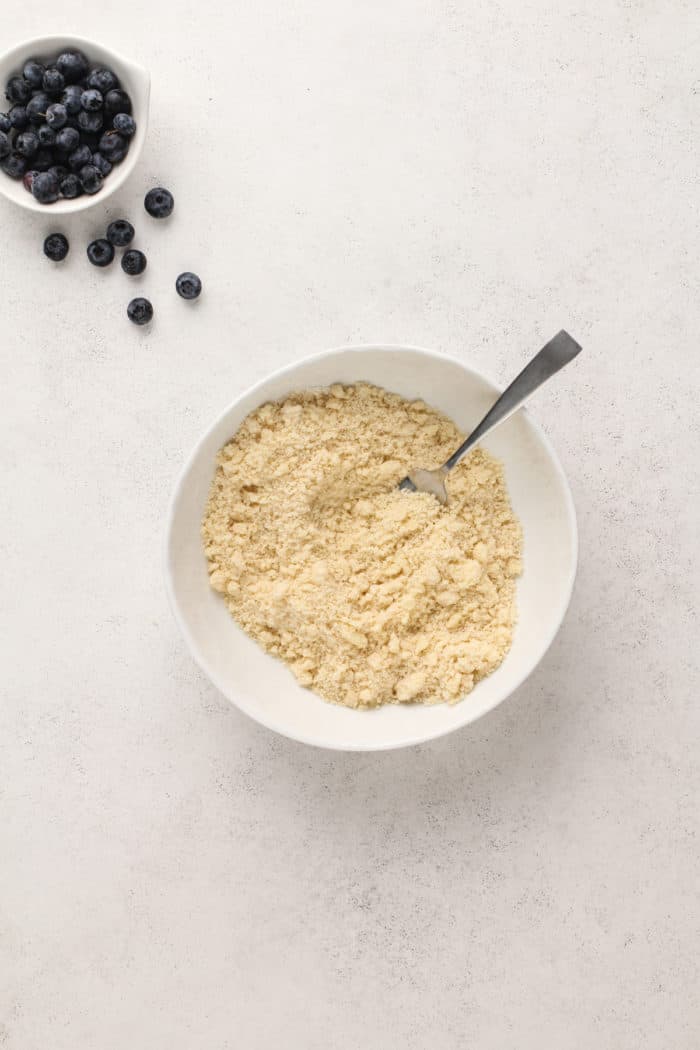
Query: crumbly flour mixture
point(371, 595)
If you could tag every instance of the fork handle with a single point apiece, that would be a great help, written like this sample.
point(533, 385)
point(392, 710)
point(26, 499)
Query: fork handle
point(557, 353)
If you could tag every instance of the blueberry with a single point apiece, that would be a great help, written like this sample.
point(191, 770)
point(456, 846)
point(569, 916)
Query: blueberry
point(159, 203)
point(101, 163)
point(120, 233)
point(124, 124)
point(118, 155)
point(37, 106)
point(19, 117)
point(79, 158)
point(71, 99)
point(103, 80)
point(73, 65)
point(53, 82)
point(14, 165)
point(117, 102)
point(111, 143)
point(67, 140)
point(27, 143)
point(133, 262)
point(59, 171)
point(91, 100)
point(89, 121)
point(5, 145)
point(45, 187)
point(70, 186)
point(46, 135)
point(18, 90)
point(91, 178)
point(5, 123)
point(56, 247)
point(139, 311)
point(188, 285)
point(33, 72)
point(28, 179)
point(100, 252)
point(56, 116)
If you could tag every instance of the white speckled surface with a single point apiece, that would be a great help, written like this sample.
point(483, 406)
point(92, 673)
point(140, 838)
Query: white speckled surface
point(468, 177)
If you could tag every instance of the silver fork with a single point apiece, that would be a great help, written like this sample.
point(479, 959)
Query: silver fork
point(557, 353)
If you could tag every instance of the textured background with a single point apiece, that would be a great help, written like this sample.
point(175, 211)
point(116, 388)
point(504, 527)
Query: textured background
point(469, 177)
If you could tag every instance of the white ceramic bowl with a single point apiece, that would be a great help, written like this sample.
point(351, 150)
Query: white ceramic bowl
point(262, 686)
point(136, 81)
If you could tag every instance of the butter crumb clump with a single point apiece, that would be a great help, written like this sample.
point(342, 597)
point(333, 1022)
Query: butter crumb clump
point(370, 595)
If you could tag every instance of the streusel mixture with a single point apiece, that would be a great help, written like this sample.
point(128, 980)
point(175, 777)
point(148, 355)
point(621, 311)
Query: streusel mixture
point(371, 595)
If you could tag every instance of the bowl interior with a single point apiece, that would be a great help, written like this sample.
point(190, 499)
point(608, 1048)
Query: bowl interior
point(262, 686)
point(135, 81)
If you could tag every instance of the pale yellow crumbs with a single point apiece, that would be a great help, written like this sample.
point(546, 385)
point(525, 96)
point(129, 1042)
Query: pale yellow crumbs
point(370, 595)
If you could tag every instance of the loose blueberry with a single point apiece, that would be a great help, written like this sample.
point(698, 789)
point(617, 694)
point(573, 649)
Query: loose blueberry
point(18, 116)
point(139, 311)
point(90, 178)
point(159, 203)
point(67, 140)
point(101, 163)
point(79, 158)
point(100, 252)
point(73, 65)
point(120, 233)
point(33, 72)
point(56, 116)
point(56, 247)
point(14, 165)
point(18, 90)
point(91, 100)
point(188, 285)
point(103, 80)
point(45, 187)
point(53, 82)
point(124, 124)
point(42, 160)
point(28, 179)
point(117, 102)
point(46, 135)
point(71, 99)
point(70, 186)
point(5, 123)
point(5, 145)
point(27, 144)
point(37, 106)
point(89, 121)
point(133, 262)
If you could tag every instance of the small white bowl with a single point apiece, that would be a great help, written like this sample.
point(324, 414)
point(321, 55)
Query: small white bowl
point(262, 686)
point(134, 80)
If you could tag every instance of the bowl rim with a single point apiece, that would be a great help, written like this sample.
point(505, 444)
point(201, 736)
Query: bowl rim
point(142, 79)
point(241, 702)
